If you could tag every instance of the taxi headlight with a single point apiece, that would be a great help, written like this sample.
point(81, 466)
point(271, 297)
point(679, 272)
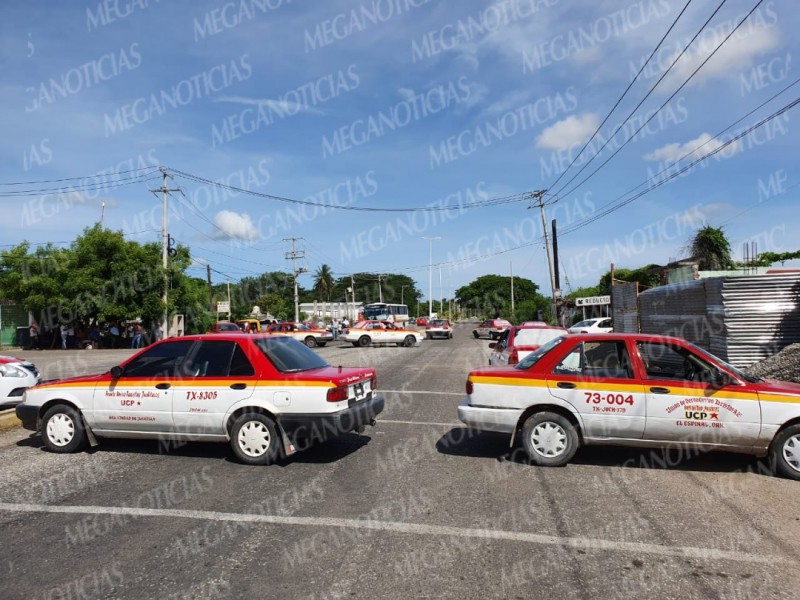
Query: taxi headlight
point(9, 370)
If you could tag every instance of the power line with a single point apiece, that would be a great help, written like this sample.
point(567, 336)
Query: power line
point(484, 203)
point(660, 108)
point(89, 187)
point(627, 89)
point(98, 174)
point(672, 176)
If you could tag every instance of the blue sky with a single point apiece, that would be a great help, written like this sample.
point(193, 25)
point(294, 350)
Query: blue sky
point(393, 104)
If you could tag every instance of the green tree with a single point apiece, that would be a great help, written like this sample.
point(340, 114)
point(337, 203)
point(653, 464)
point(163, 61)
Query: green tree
point(490, 295)
point(711, 248)
point(323, 283)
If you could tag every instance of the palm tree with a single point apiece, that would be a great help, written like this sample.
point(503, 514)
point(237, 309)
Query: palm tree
point(323, 282)
point(711, 249)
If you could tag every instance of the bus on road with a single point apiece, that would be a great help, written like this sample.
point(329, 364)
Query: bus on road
point(382, 311)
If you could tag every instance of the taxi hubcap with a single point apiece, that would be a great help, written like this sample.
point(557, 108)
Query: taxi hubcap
point(254, 438)
point(791, 452)
point(549, 439)
point(60, 430)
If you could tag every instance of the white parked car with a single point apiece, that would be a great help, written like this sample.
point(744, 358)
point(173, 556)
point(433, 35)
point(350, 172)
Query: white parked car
point(367, 333)
point(16, 375)
point(596, 325)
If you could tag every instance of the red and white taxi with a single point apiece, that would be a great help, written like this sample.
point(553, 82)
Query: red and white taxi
point(635, 390)
point(302, 332)
point(267, 395)
point(367, 333)
point(491, 328)
point(516, 343)
point(439, 328)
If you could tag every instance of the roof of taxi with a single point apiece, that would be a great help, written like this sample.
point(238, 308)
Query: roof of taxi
point(645, 337)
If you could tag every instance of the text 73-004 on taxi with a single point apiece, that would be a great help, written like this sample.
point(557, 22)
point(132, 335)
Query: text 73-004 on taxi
point(635, 390)
point(267, 395)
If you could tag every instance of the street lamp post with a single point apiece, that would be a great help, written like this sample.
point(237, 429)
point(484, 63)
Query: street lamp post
point(430, 273)
point(402, 289)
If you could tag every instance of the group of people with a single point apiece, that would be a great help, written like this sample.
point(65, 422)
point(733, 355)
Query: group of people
point(77, 335)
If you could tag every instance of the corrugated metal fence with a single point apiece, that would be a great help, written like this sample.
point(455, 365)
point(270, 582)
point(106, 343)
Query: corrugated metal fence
point(740, 319)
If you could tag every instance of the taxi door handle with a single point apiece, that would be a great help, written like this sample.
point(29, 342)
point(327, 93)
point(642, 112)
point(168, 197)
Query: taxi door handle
point(163, 386)
point(566, 385)
point(238, 386)
point(659, 390)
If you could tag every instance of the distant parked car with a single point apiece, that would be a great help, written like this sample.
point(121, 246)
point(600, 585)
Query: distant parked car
point(367, 333)
point(422, 321)
point(596, 325)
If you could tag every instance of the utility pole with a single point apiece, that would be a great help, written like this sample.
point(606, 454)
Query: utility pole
point(208, 277)
point(294, 255)
point(511, 269)
point(430, 273)
point(537, 195)
point(380, 290)
point(165, 244)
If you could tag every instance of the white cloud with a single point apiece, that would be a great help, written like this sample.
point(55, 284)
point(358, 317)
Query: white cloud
point(235, 226)
point(693, 149)
point(568, 132)
point(736, 54)
point(279, 106)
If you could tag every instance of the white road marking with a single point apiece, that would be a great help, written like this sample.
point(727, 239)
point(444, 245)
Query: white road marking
point(638, 548)
point(421, 392)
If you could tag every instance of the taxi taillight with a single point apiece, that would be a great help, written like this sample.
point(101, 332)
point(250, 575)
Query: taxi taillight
point(469, 387)
point(373, 383)
point(337, 394)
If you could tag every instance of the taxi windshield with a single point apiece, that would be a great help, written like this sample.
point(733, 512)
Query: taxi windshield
point(533, 357)
point(288, 355)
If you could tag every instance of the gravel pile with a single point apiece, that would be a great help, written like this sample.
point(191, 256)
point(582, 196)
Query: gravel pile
point(783, 366)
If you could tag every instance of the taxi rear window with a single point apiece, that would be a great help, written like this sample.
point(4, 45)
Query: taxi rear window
point(288, 355)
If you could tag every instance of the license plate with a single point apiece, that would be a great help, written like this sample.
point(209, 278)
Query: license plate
point(359, 389)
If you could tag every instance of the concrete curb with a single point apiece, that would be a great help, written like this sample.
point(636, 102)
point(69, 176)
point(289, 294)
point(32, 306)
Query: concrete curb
point(9, 420)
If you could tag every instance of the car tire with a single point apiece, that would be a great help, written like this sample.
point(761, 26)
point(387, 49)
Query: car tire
point(429, 336)
point(254, 439)
point(549, 439)
point(62, 429)
point(410, 341)
point(364, 341)
point(310, 342)
point(355, 344)
point(450, 337)
point(476, 334)
point(784, 453)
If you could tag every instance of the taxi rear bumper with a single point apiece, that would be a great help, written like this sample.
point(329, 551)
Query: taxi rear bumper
point(487, 418)
point(319, 427)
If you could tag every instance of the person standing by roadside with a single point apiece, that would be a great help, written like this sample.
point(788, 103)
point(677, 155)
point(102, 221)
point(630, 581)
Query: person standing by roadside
point(34, 336)
point(136, 339)
point(114, 331)
point(64, 336)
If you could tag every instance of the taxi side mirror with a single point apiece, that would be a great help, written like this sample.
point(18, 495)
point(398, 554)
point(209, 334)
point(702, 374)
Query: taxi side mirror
point(720, 379)
point(493, 345)
point(116, 372)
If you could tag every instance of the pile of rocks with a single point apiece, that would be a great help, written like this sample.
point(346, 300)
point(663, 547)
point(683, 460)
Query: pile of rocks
point(783, 366)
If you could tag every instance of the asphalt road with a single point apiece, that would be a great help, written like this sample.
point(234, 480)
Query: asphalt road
point(417, 507)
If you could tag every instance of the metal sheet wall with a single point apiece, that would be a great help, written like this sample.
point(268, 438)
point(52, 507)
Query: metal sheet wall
point(740, 319)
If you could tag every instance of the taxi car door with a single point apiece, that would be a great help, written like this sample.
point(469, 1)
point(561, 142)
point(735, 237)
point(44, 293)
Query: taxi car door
point(598, 380)
point(141, 398)
point(215, 375)
point(687, 402)
point(377, 332)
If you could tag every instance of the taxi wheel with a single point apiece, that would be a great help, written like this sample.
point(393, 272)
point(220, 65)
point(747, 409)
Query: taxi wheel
point(62, 430)
point(410, 341)
point(310, 342)
point(475, 334)
point(254, 439)
point(785, 452)
point(550, 440)
point(364, 341)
